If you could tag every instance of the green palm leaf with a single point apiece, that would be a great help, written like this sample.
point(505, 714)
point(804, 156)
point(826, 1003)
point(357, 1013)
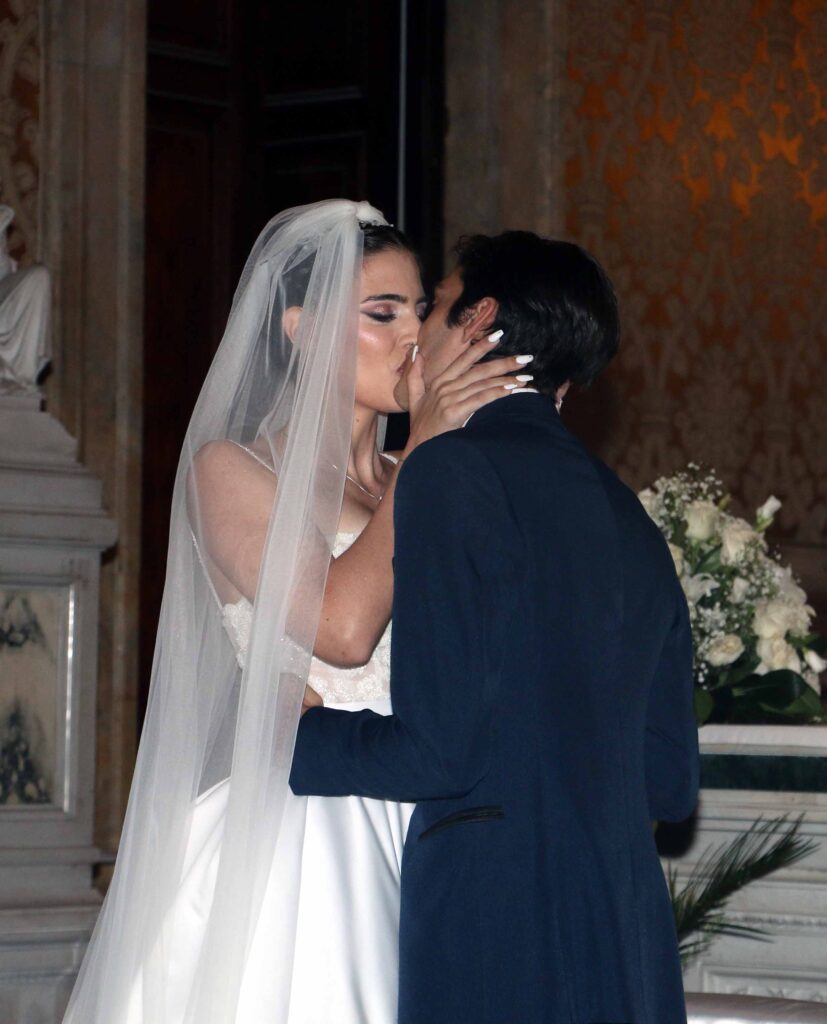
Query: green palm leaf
point(765, 847)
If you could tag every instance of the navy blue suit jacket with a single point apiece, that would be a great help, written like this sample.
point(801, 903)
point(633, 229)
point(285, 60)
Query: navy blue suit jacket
point(541, 679)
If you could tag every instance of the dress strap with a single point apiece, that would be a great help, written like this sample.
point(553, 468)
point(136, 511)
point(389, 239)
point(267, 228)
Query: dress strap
point(218, 600)
point(255, 455)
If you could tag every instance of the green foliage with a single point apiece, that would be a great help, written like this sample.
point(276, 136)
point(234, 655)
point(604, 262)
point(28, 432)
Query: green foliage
point(699, 906)
point(704, 704)
point(777, 698)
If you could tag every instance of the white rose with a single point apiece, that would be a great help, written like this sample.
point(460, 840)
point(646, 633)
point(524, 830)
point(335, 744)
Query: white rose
point(740, 586)
point(696, 587)
point(766, 513)
point(775, 653)
point(800, 615)
point(776, 618)
point(677, 557)
point(649, 500)
point(815, 661)
point(787, 587)
point(701, 519)
point(735, 536)
point(724, 650)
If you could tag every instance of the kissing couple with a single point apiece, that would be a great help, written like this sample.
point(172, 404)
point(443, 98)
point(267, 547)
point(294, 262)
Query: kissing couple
point(453, 825)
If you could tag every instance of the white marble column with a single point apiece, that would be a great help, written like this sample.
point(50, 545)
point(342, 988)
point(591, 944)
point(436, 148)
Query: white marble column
point(53, 531)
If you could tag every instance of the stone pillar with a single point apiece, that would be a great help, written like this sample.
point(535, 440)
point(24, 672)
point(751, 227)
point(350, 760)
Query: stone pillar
point(72, 164)
point(503, 154)
point(91, 239)
point(52, 533)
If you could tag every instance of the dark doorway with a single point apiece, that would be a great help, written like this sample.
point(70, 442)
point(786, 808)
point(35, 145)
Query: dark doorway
point(253, 107)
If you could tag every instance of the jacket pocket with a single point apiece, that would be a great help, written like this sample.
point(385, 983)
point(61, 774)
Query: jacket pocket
point(465, 816)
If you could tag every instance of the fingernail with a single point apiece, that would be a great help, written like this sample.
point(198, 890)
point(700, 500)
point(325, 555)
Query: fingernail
point(510, 387)
point(522, 360)
point(524, 377)
point(495, 337)
point(414, 353)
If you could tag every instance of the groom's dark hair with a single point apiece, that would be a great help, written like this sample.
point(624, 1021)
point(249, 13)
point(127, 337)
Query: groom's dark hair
point(555, 303)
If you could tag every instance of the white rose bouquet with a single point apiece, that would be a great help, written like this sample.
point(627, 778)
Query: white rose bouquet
point(756, 659)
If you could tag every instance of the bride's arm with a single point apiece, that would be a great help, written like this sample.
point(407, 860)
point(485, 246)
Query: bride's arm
point(359, 592)
point(235, 496)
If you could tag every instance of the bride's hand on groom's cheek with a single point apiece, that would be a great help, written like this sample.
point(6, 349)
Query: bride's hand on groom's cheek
point(460, 390)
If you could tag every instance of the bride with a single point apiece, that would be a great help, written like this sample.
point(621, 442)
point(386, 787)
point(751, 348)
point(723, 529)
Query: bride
point(233, 901)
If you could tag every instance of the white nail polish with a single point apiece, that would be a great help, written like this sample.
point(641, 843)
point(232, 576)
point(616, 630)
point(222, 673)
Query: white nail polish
point(522, 360)
point(495, 336)
point(510, 387)
point(414, 353)
point(524, 377)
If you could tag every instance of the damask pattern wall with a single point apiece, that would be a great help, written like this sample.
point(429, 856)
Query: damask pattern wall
point(685, 143)
point(20, 56)
point(695, 148)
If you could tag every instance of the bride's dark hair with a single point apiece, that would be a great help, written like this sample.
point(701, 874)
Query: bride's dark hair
point(378, 238)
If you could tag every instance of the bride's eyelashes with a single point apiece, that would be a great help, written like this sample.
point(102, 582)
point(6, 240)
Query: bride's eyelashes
point(385, 312)
point(386, 316)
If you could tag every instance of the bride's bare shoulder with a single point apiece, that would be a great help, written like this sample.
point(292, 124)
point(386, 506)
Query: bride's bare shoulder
point(219, 463)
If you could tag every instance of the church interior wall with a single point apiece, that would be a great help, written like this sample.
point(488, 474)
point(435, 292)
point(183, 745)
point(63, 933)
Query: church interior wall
point(71, 165)
point(685, 144)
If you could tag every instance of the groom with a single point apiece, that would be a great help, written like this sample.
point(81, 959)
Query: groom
point(541, 681)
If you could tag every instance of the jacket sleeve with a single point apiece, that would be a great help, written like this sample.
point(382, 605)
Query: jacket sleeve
point(449, 554)
point(672, 759)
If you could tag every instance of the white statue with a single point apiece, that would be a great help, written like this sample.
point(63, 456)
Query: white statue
point(24, 319)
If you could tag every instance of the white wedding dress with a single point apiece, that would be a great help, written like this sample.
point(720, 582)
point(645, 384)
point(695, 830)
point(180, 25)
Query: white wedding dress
point(345, 969)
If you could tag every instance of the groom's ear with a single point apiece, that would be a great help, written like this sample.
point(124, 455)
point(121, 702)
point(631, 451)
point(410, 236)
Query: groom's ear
point(477, 319)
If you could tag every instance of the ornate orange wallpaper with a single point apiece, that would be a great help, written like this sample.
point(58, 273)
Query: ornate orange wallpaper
point(19, 121)
point(696, 170)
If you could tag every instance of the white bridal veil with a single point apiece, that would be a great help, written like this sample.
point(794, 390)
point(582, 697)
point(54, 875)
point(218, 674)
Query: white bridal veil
point(207, 719)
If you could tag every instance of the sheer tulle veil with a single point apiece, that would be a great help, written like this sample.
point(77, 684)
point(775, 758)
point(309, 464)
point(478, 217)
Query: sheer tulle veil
point(208, 720)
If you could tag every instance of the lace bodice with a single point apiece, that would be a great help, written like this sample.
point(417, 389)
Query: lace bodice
point(334, 685)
